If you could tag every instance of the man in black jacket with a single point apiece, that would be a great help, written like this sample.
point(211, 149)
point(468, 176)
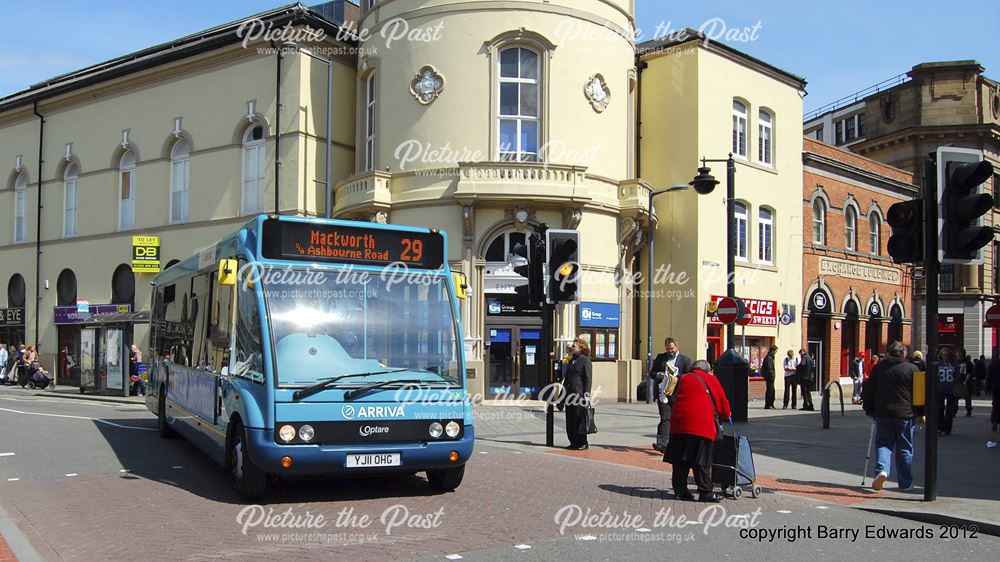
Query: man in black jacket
point(804, 372)
point(767, 371)
point(888, 397)
point(677, 363)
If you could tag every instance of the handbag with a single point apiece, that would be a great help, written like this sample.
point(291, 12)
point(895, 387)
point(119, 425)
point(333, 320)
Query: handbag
point(588, 425)
point(718, 423)
point(961, 390)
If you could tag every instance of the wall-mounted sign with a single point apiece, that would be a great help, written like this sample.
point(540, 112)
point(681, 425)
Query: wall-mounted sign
point(874, 309)
point(762, 312)
point(819, 302)
point(72, 314)
point(11, 317)
point(146, 254)
point(83, 306)
point(599, 315)
point(855, 270)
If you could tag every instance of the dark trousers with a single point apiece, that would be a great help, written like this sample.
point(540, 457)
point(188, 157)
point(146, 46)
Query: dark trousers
point(702, 478)
point(947, 408)
point(769, 393)
point(663, 428)
point(995, 414)
point(807, 399)
point(968, 399)
point(791, 389)
point(574, 419)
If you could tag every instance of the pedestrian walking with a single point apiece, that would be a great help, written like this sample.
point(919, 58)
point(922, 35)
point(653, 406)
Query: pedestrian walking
point(767, 371)
point(980, 375)
point(965, 375)
point(888, 398)
point(804, 372)
point(791, 383)
point(674, 362)
point(3, 363)
point(917, 358)
point(22, 365)
point(13, 361)
point(857, 372)
point(994, 382)
point(698, 400)
point(947, 401)
point(579, 377)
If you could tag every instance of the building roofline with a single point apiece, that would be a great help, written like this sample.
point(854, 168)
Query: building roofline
point(171, 51)
point(812, 154)
point(688, 35)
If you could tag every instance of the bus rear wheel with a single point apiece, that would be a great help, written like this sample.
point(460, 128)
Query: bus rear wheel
point(446, 479)
point(251, 481)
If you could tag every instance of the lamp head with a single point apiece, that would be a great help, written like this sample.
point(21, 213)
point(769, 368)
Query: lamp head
point(704, 183)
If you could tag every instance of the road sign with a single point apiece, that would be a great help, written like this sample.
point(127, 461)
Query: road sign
point(993, 316)
point(747, 319)
point(728, 310)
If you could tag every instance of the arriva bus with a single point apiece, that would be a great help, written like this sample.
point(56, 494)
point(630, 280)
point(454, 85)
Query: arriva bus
point(300, 346)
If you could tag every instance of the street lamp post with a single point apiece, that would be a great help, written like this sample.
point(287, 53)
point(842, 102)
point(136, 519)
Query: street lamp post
point(704, 182)
point(649, 286)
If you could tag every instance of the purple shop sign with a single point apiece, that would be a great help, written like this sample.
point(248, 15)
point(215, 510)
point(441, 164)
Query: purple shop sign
point(70, 314)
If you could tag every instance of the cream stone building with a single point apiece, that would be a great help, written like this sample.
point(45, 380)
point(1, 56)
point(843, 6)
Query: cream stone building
point(704, 99)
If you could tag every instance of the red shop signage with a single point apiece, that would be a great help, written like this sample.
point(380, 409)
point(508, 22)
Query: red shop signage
point(762, 312)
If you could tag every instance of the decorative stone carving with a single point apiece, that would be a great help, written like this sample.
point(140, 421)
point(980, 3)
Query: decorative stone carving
point(426, 86)
point(468, 223)
point(380, 217)
point(572, 217)
point(597, 92)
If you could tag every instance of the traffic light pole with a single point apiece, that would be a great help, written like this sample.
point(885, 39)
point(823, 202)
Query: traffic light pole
point(548, 358)
point(931, 267)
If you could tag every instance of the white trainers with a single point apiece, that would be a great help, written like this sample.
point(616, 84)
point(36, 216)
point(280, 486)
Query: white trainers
point(879, 481)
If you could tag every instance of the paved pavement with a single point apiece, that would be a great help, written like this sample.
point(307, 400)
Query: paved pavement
point(91, 480)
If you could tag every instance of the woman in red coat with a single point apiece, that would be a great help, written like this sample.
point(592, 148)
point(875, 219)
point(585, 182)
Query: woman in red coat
point(692, 431)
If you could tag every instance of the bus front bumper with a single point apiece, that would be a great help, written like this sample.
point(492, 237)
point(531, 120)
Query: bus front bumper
point(315, 460)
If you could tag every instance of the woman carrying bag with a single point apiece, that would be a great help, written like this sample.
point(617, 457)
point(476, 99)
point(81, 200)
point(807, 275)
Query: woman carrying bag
point(577, 384)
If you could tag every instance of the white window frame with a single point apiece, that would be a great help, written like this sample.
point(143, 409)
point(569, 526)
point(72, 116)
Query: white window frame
point(369, 116)
point(765, 235)
point(740, 140)
point(875, 234)
point(741, 220)
point(250, 203)
point(126, 206)
point(70, 189)
point(765, 138)
point(517, 153)
point(20, 208)
point(851, 228)
point(180, 177)
point(819, 220)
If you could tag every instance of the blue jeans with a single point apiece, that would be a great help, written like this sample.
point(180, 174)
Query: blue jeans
point(894, 434)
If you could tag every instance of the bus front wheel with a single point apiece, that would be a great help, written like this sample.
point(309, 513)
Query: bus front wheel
point(446, 479)
point(251, 481)
point(161, 416)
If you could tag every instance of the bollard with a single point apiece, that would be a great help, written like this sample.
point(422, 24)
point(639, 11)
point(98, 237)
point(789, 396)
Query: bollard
point(824, 407)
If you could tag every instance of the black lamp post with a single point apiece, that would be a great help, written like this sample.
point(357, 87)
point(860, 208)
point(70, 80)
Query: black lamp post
point(703, 183)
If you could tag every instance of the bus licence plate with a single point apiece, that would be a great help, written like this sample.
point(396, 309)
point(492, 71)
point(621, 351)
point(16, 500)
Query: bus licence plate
point(372, 459)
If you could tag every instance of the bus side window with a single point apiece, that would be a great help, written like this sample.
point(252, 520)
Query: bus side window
point(200, 307)
point(219, 329)
point(248, 362)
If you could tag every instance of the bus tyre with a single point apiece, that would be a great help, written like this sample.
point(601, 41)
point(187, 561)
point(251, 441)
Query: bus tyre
point(251, 481)
point(447, 479)
point(161, 416)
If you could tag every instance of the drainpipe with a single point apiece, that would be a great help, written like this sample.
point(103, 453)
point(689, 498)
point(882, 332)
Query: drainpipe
point(640, 65)
point(277, 125)
point(38, 224)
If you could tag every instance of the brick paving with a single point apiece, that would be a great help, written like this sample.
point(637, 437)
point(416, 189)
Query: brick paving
point(6, 554)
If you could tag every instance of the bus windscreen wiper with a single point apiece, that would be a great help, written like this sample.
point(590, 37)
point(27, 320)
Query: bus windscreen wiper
point(352, 394)
point(310, 390)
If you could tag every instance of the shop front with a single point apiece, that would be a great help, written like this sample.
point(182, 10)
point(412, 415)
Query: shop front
point(752, 339)
point(74, 360)
point(513, 340)
point(12, 326)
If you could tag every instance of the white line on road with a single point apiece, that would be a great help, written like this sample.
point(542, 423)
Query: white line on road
point(72, 474)
point(98, 420)
point(178, 466)
point(6, 454)
point(522, 546)
point(822, 507)
point(13, 479)
point(783, 511)
point(454, 557)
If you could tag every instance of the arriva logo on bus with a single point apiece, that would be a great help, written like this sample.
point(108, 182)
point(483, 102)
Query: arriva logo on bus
point(350, 412)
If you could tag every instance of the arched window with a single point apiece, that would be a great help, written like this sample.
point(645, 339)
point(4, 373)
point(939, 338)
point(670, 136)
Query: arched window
point(765, 134)
point(739, 129)
point(66, 288)
point(520, 100)
point(741, 218)
point(875, 237)
point(254, 164)
point(765, 236)
point(126, 191)
point(819, 222)
point(501, 247)
point(369, 123)
point(20, 208)
point(123, 285)
point(16, 291)
point(850, 228)
point(69, 200)
point(179, 174)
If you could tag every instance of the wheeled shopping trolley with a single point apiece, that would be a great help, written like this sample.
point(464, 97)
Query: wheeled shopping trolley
point(732, 465)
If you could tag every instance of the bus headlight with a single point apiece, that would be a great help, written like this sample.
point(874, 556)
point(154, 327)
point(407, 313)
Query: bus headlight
point(306, 433)
point(287, 433)
point(435, 430)
point(452, 429)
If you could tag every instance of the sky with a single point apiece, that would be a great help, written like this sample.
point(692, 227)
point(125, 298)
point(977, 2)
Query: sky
point(838, 47)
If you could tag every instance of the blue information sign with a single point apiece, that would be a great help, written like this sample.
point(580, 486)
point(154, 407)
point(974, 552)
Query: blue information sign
point(599, 315)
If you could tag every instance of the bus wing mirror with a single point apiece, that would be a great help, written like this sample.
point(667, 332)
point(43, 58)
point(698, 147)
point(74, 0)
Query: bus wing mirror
point(461, 285)
point(227, 272)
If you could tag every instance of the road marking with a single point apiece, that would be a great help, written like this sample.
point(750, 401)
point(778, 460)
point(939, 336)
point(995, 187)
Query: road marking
point(522, 546)
point(454, 557)
point(6, 454)
point(98, 420)
point(178, 466)
point(483, 453)
point(783, 511)
point(822, 507)
point(72, 474)
point(13, 479)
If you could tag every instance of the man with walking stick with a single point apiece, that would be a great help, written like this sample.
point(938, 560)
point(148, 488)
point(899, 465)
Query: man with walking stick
point(887, 396)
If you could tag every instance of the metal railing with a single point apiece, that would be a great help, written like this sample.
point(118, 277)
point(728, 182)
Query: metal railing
point(857, 96)
point(824, 407)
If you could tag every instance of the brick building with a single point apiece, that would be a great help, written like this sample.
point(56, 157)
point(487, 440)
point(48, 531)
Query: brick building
point(854, 298)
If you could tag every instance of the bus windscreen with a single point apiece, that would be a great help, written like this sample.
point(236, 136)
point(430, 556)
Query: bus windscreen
point(290, 240)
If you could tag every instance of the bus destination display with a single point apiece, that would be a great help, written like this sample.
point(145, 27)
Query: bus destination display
point(368, 246)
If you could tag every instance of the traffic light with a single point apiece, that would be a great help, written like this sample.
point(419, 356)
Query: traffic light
point(530, 267)
point(962, 204)
point(906, 244)
point(562, 258)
